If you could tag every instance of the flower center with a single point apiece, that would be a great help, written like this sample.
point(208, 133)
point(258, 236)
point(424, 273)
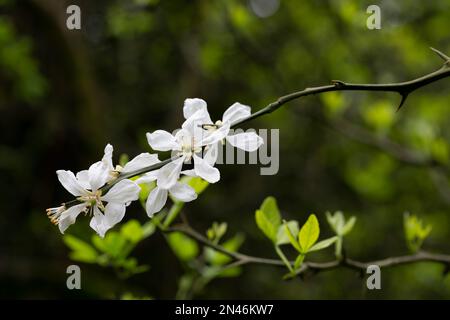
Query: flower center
point(188, 147)
point(93, 199)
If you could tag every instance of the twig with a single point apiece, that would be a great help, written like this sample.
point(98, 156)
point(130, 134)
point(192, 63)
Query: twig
point(241, 259)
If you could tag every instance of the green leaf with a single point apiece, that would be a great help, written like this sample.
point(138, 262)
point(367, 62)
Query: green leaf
point(323, 244)
point(265, 225)
point(336, 221)
point(217, 258)
point(81, 250)
point(270, 209)
point(291, 237)
point(114, 244)
point(309, 233)
point(217, 231)
point(282, 235)
point(132, 231)
point(184, 247)
point(415, 231)
point(197, 183)
point(349, 225)
point(268, 218)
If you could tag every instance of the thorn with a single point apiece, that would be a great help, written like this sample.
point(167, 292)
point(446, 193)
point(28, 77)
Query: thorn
point(404, 96)
point(337, 83)
point(441, 55)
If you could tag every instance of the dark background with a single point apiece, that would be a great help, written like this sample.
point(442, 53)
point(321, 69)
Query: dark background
point(65, 94)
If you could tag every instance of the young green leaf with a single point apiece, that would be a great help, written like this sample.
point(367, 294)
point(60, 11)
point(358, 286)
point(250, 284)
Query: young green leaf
point(349, 225)
point(184, 247)
point(132, 231)
point(291, 237)
point(265, 225)
point(415, 231)
point(81, 250)
point(270, 209)
point(309, 233)
point(282, 235)
point(268, 218)
point(323, 244)
point(217, 258)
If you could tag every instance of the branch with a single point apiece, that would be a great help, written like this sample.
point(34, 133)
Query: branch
point(402, 88)
point(315, 267)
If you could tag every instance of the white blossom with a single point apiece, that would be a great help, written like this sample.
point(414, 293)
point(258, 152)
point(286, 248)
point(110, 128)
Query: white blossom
point(247, 141)
point(187, 144)
point(86, 187)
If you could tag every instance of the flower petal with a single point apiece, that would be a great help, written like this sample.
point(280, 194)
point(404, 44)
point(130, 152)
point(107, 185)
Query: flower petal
point(189, 173)
point(247, 141)
point(192, 105)
point(141, 161)
point(99, 174)
point(83, 179)
point(195, 121)
point(161, 140)
point(215, 136)
point(114, 213)
point(148, 177)
point(212, 153)
point(183, 192)
point(236, 112)
point(70, 183)
point(97, 222)
point(155, 201)
point(169, 174)
point(107, 157)
point(205, 170)
point(69, 216)
point(122, 192)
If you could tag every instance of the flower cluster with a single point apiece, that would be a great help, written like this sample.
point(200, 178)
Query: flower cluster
point(102, 193)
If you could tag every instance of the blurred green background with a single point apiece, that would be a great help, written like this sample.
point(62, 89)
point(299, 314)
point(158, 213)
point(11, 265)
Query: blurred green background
point(65, 94)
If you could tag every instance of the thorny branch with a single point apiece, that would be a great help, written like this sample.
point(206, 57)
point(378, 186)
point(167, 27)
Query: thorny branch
point(402, 88)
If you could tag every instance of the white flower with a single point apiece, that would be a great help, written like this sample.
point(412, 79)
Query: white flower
point(158, 196)
point(247, 141)
point(187, 143)
point(86, 186)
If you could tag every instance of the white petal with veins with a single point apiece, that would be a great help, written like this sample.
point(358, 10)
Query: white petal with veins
point(247, 141)
point(205, 170)
point(141, 161)
point(70, 183)
point(161, 140)
point(169, 174)
point(69, 216)
point(183, 192)
point(123, 192)
point(236, 112)
point(155, 201)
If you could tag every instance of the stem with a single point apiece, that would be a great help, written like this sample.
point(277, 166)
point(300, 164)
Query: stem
point(317, 267)
point(283, 258)
point(173, 213)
